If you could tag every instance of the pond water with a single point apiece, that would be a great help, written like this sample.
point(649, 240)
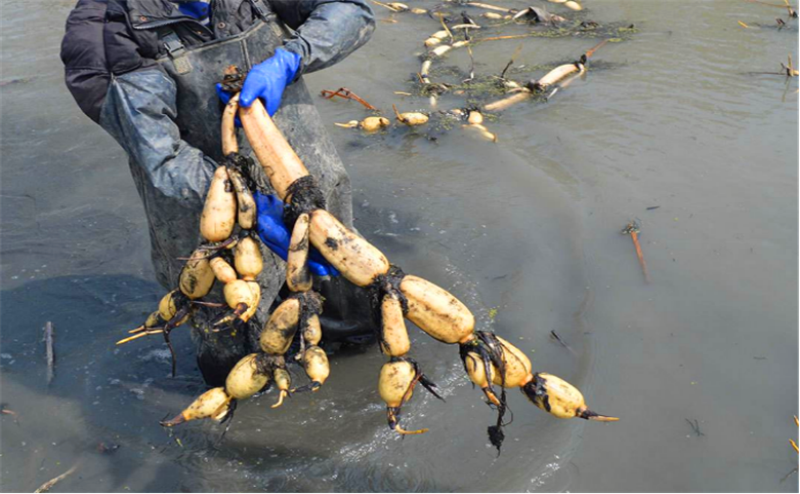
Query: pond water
point(669, 126)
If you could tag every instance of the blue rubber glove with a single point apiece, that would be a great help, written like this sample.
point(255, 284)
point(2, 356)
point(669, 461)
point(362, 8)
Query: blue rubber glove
point(267, 81)
point(274, 234)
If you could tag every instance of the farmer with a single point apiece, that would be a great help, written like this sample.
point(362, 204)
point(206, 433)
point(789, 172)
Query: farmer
point(147, 72)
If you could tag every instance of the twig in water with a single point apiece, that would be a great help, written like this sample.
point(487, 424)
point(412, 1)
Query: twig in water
point(558, 339)
point(509, 36)
point(471, 66)
point(511, 62)
point(345, 93)
point(788, 475)
point(146, 332)
point(50, 483)
point(393, 9)
point(633, 230)
point(51, 356)
point(596, 47)
point(449, 33)
point(518, 96)
point(695, 427)
point(489, 7)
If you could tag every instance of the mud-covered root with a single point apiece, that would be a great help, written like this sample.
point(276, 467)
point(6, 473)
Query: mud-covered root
point(436, 38)
point(246, 378)
point(298, 275)
point(246, 215)
point(247, 259)
point(154, 320)
point(213, 404)
point(212, 249)
point(196, 277)
point(394, 6)
point(393, 418)
point(358, 260)
point(475, 117)
point(483, 131)
point(476, 370)
point(279, 161)
point(373, 124)
point(560, 398)
point(352, 124)
point(154, 324)
point(369, 124)
point(475, 122)
point(520, 95)
point(243, 298)
point(436, 311)
point(278, 332)
point(557, 74)
point(312, 332)
point(174, 309)
point(394, 335)
point(283, 381)
point(410, 118)
point(440, 51)
point(516, 365)
point(228, 129)
point(223, 271)
point(170, 304)
point(219, 210)
point(425, 71)
point(489, 359)
point(317, 367)
point(396, 384)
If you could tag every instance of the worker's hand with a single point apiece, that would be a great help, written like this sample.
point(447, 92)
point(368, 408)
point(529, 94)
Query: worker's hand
point(274, 234)
point(267, 81)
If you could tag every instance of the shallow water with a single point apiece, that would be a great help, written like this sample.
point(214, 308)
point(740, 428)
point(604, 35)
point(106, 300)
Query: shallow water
point(524, 231)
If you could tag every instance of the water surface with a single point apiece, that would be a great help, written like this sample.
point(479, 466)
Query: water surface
point(524, 231)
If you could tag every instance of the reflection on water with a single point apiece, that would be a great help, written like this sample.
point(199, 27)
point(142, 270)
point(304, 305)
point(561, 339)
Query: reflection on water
point(524, 231)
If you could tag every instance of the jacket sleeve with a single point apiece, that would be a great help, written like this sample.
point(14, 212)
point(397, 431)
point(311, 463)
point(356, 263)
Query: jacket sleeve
point(326, 31)
point(118, 86)
point(139, 112)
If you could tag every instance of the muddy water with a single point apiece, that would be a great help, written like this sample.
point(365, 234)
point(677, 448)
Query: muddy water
point(525, 231)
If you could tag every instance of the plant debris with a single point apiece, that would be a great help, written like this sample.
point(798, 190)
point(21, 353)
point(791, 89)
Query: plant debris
point(50, 483)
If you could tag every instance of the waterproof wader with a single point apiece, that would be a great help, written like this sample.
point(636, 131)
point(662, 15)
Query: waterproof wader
point(196, 70)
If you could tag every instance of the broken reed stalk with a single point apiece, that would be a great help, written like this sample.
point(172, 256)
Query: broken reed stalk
point(376, 2)
point(51, 355)
point(345, 93)
point(489, 7)
point(511, 62)
point(504, 103)
point(50, 483)
point(139, 335)
point(639, 254)
point(633, 230)
point(509, 36)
